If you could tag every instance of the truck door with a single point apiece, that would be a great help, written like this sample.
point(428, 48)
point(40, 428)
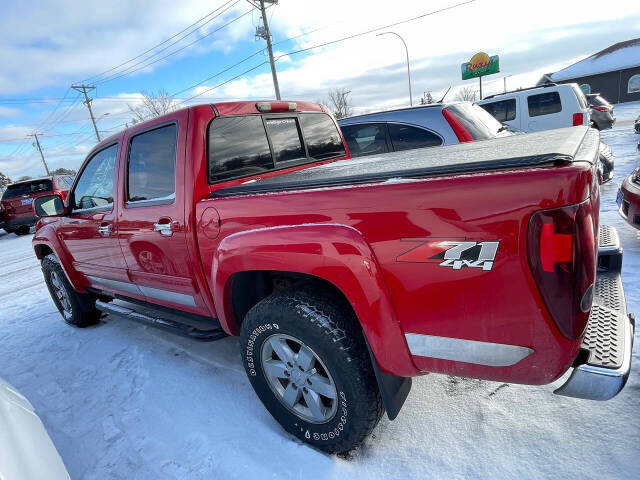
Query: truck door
point(89, 232)
point(151, 221)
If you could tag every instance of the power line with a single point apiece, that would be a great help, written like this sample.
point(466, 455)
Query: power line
point(128, 70)
point(161, 43)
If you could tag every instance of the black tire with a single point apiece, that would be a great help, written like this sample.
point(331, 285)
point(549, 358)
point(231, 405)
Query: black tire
point(8, 230)
point(22, 230)
point(327, 326)
point(80, 310)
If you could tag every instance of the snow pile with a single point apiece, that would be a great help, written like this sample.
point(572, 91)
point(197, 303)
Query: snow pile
point(125, 401)
point(616, 57)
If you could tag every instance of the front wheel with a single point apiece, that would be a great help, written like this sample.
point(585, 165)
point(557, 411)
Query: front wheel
point(77, 309)
point(307, 361)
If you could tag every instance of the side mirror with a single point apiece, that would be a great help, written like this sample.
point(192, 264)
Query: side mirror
point(49, 206)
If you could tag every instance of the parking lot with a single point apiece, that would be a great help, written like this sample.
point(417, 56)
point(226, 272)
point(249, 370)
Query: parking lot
point(141, 403)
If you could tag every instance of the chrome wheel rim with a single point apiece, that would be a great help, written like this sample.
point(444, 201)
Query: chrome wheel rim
point(60, 292)
point(299, 379)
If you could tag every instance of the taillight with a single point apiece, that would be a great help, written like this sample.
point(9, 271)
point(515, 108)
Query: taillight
point(457, 127)
point(279, 106)
point(562, 254)
point(601, 109)
point(578, 119)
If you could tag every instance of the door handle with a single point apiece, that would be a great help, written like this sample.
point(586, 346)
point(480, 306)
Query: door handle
point(104, 229)
point(166, 228)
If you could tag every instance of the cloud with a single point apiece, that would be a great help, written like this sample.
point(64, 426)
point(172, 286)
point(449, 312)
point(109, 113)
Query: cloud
point(9, 112)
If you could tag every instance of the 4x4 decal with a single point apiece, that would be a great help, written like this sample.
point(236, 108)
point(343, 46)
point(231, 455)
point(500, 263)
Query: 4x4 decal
point(455, 253)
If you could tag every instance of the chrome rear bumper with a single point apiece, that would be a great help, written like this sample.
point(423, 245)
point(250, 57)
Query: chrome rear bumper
point(602, 368)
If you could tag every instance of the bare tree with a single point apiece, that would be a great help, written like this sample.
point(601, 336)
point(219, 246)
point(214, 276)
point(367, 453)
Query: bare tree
point(4, 180)
point(466, 94)
point(63, 171)
point(426, 99)
point(340, 103)
point(152, 105)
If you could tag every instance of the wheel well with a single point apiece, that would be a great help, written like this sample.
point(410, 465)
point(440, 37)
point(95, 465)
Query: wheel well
point(42, 251)
point(248, 288)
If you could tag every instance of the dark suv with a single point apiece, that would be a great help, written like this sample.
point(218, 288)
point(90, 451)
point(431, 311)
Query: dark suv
point(16, 204)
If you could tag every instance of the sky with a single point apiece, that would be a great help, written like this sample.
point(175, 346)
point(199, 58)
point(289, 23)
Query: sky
point(46, 46)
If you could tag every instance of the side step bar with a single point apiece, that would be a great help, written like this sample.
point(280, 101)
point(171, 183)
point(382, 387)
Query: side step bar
point(165, 324)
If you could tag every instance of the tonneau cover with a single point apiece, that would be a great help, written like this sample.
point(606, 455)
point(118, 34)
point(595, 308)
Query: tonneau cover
point(515, 151)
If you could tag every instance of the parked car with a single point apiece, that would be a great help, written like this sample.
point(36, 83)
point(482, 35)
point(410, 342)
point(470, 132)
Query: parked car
point(540, 108)
point(606, 161)
point(601, 112)
point(636, 125)
point(18, 198)
point(629, 199)
point(345, 278)
point(417, 127)
point(27, 451)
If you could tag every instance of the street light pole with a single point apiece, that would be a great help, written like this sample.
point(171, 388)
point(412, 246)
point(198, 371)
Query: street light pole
point(408, 68)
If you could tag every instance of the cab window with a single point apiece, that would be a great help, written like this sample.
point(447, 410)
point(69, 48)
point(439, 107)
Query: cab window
point(151, 167)
point(94, 188)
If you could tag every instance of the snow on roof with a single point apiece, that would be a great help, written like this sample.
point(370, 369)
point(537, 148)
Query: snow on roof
point(616, 57)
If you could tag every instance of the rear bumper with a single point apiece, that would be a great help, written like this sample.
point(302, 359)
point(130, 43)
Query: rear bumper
point(21, 221)
point(602, 368)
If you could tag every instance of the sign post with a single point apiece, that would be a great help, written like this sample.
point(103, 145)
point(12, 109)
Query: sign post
point(480, 65)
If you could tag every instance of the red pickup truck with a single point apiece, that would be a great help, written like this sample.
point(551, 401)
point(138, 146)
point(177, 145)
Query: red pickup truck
point(345, 278)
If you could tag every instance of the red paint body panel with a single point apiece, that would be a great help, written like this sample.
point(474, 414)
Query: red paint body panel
point(351, 236)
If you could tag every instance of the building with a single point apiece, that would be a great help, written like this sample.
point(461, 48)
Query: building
point(613, 72)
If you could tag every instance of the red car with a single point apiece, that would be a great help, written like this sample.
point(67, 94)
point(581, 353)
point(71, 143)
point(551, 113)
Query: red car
point(629, 199)
point(346, 277)
point(17, 209)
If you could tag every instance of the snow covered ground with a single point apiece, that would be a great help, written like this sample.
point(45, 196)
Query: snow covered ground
point(125, 401)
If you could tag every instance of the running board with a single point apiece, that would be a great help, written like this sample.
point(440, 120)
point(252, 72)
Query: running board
point(169, 325)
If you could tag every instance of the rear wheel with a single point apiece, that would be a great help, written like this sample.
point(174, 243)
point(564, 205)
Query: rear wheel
point(76, 308)
point(7, 229)
point(305, 356)
point(22, 230)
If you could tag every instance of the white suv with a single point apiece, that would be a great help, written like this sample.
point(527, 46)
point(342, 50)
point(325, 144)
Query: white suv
point(540, 108)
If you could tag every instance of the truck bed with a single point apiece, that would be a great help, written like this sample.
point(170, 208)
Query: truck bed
point(517, 151)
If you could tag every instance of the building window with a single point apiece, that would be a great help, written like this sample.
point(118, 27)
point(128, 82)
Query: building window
point(634, 84)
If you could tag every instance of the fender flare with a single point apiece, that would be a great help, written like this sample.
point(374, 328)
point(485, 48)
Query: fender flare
point(46, 236)
point(335, 253)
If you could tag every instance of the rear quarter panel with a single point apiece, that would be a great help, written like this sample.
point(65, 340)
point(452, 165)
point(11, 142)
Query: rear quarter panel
point(500, 306)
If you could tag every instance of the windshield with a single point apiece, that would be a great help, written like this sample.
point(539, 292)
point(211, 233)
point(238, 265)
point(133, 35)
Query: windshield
point(28, 188)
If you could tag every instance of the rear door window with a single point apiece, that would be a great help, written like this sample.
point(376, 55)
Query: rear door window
point(406, 137)
point(95, 185)
point(238, 147)
point(151, 167)
point(285, 139)
point(366, 138)
point(321, 135)
point(544, 104)
point(503, 111)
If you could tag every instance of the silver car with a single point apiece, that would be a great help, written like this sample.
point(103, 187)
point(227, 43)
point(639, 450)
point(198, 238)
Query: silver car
point(417, 127)
point(601, 111)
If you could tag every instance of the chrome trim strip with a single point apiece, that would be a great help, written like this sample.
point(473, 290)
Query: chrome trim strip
point(468, 351)
point(114, 284)
point(157, 293)
point(168, 296)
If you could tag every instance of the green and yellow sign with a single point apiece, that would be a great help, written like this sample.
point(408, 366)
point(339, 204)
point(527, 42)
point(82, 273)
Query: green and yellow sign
point(480, 65)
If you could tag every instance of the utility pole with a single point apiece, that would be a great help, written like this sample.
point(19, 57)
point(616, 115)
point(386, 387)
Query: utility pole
point(87, 102)
point(37, 145)
point(266, 35)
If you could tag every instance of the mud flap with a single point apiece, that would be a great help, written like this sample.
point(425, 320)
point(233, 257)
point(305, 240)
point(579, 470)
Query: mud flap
point(393, 390)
